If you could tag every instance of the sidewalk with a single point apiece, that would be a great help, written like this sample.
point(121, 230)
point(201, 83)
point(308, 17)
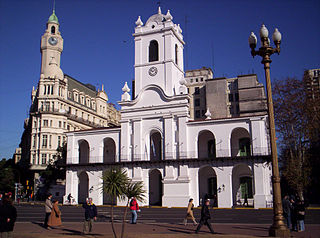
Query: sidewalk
point(74, 230)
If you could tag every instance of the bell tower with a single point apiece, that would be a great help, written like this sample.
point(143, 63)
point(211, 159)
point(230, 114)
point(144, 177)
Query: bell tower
point(51, 43)
point(158, 53)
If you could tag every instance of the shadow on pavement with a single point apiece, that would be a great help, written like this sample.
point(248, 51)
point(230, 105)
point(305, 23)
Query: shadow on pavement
point(251, 228)
point(39, 224)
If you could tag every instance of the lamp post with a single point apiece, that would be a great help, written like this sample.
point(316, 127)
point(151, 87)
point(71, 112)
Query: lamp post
point(278, 228)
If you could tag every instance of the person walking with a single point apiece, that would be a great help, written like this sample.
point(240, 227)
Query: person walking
point(293, 212)
point(300, 215)
point(205, 216)
point(8, 216)
point(69, 198)
point(48, 209)
point(134, 208)
point(55, 216)
point(90, 215)
point(286, 204)
point(190, 213)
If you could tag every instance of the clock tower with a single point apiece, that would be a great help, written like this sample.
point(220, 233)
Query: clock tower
point(51, 44)
point(158, 54)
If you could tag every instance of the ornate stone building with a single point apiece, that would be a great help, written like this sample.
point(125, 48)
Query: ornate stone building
point(177, 157)
point(60, 104)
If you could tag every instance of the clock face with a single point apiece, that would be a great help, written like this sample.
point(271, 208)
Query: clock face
point(53, 40)
point(153, 71)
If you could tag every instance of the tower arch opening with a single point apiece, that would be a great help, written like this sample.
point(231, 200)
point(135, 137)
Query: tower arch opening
point(240, 142)
point(155, 146)
point(207, 179)
point(83, 152)
point(153, 51)
point(109, 150)
point(53, 30)
point(242, 184)
point(83, 187)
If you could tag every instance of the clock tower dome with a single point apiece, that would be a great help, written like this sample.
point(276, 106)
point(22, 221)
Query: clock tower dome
point(51, 44)
point(158, 54)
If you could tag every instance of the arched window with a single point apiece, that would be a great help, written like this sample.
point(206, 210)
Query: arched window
point(244, 147)
point(53, 30)
point(153, 51)
point(176, 55)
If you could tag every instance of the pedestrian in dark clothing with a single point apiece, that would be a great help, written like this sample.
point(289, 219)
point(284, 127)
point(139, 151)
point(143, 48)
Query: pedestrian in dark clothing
point(300, 215)
point(69, 198)
point(205, 216)
point(245, 200)
point(286, 204)
point(48, 209)
point(90, 215)
point(8, 216)
point(294, 215)
point(134, 208)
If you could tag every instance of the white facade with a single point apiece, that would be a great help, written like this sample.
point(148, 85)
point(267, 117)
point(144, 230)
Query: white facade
point(157, 143)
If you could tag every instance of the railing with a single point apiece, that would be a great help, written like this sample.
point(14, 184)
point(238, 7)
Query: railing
point(168, 156)
point(69, 115)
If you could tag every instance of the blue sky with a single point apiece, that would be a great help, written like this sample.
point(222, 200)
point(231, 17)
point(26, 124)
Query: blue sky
point(99, 49)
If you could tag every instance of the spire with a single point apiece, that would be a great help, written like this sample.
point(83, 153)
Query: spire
point(139, 23)
point(102, 88)
point(159, 10)
point(168, 17)
point(53, 18)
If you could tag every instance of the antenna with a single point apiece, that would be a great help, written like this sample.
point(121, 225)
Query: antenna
point(54, 5)
point(185, 36)
point(212, 58)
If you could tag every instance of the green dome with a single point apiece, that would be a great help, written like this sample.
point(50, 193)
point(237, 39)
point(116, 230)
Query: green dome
point(53, 18)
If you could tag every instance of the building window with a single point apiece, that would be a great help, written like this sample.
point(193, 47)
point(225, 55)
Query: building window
point(68, 127)
point(44, 141)
point(50, 137)
point(201, 79)
point(45, 123)
point(59, 141)
point(197, 80)
point(34, 141)
point(230, 97)
point(34, 161)
point(53, 30)
point(153, 51)
point(59, 124)
point(237, 97)
point(231, 110)
point(35, 124)
point(244, 147)
point(196, 90)
point(197, 113)
point(237, 109)
point(43, 158)
point(191, 80)
point(176, 55)
point(64, 125)
point(197, 102)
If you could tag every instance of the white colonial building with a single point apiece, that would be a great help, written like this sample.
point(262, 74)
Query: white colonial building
point(176, 157)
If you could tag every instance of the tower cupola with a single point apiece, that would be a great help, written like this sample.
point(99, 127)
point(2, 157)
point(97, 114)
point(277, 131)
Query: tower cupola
point(53, 18)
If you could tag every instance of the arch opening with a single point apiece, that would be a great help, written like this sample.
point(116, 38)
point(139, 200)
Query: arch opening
point(155, 146)
point(207, 179)
point(109, 150)
point(83, 187)
point(155, 188)
point(53, 30)
point(84, 150)
point(240, 142)
point(242, 185)
point(206, 145)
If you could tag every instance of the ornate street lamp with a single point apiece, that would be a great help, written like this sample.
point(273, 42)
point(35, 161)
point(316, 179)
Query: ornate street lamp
point(278, 228)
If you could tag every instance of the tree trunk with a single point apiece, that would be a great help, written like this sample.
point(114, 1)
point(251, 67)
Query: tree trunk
point(124, 219)
point(112, 225)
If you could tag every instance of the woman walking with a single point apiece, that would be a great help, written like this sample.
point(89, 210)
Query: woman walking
point(190, 213)
point(134, 207)
point(55, 217)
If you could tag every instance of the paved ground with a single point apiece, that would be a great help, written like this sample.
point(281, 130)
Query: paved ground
point(158, 223)
point(74, 229)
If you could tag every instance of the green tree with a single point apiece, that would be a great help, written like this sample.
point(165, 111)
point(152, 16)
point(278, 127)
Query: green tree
point(132, 189)
point(7, 176)
point(115, 181)
point(291, 119)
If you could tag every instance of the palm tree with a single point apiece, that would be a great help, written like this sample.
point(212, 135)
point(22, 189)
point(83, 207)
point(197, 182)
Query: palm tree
point(115, 182)
point(132, 189)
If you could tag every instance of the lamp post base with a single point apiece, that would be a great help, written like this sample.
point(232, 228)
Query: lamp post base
point(281, 231)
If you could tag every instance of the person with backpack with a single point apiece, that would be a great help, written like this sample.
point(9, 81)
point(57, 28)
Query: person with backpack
point(134, 208)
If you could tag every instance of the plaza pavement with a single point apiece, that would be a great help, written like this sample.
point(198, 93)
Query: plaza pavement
point(154, 230)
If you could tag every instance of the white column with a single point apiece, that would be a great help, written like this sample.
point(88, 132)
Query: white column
point(125, 141)
point(169, 137)
point(72, 182)
point(224, 186)
point(262, 196)
point(137, 140)
point(182, 142)
point(95, 187)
